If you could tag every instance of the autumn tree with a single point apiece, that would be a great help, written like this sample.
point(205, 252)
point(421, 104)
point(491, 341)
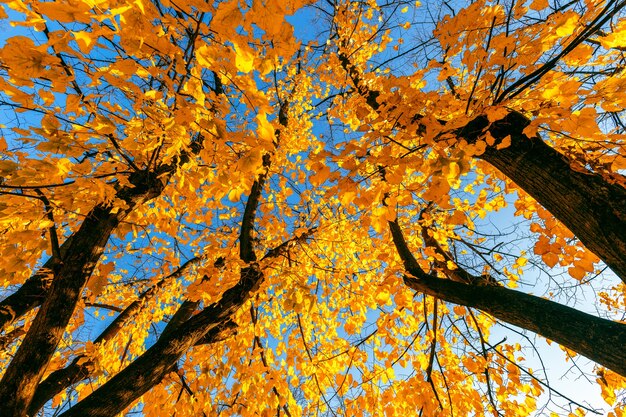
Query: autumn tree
point(206, 212)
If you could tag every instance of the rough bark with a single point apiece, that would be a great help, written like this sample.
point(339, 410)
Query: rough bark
point(146, 185)
point(586, 203)
point(78, 370)
point(150, 368)
point(31, 294)
point(81, 367)
point(23, 374)
point(598, 339)
point(590, 206)
point(70, 275)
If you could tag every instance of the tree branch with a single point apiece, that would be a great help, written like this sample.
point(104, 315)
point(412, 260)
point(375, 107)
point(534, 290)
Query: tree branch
point(598, 339)
point(586, 203)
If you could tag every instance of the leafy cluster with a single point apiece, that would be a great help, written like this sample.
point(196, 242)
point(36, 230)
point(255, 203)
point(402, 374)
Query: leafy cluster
point(309, 207)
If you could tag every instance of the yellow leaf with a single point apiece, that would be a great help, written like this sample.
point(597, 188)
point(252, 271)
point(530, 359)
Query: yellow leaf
point(7, 167)
point(50, 124)
point(489, 139)
point(47, 96)
point(383, 297)
point(205, 55)
point(244, 59)
point(453, 170)
point(140, 5)
point(618, 163)
point(542, 246)
point(576, 272)
point(83, 360)
point(580, 55)
point(322, 172)
point(617, 37)
point(85, 41)
point(457, 218)
point(66, 12)
point(568, 27)
point(235, 194)
point(98, 281)
point(539, 5)
point(251, 162)
point(265, 129)
point(103, 125)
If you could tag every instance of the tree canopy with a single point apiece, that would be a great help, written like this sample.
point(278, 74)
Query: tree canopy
point(304, 208)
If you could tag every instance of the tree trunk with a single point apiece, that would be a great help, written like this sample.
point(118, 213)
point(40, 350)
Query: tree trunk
point(23, 374)
point(70, 275)
point(31, 294)
point(598, 339)
point(150, 368)
point(586, 203)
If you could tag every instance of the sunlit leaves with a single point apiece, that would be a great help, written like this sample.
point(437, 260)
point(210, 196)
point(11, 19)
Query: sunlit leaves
point(244, 59)
point(538, 4)
point(617, 37)
point(25, 61)
point(206, 97)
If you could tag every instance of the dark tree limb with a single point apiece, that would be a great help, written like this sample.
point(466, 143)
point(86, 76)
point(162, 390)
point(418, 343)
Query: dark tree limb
point(212, 324)
point(592, 207)
point(71, 273)
point(82, 367)
point(208, 325)
point(146, 186)
point(23, 374)
point(30, 294)
point(598, 339)
point(160, 359)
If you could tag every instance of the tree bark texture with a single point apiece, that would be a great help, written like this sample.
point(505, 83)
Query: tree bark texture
point(70, 274)
point(23, 374)
point(586, 203)
point(598, 339)
point(150, 368)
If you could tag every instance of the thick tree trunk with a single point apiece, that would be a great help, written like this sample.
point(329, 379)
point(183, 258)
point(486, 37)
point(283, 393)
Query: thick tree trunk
point(70, 274)
point(23, 374)
point(150, 368)
point(146, 186)
point(31, 294)
point(78, 370)
point(598, 339)
point(81, 367)
point(586, 203)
